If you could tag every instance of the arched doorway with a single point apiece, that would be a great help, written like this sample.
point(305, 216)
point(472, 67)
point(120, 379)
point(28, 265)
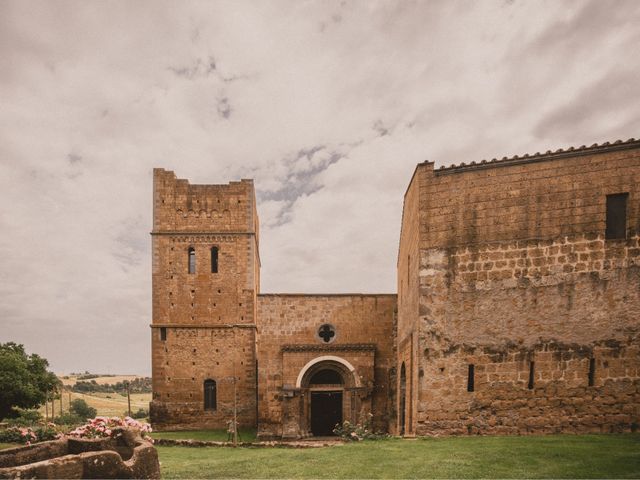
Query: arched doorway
point(329, 389)
point(403, 398)
point(326, 388)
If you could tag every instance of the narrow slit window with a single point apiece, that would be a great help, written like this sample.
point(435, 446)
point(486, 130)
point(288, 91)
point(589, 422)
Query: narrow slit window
point(192, 260)
point(210, 394)
point(214, 259)
point(471, 378)
point(531, 375)
point(592, 372)
point(163, 333)
point(617, 216)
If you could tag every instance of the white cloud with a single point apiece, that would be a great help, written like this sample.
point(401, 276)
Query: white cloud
point(328, 105)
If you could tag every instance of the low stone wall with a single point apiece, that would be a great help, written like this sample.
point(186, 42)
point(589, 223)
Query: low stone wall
point(290, 444)
point(128, 456)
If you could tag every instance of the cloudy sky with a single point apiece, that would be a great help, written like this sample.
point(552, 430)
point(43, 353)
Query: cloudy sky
point(328, 105)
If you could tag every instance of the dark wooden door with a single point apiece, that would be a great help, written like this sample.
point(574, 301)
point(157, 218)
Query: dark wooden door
point(326, 412)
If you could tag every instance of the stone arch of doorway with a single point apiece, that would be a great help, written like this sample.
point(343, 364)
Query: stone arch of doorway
point(325, 404)
point(329, 361)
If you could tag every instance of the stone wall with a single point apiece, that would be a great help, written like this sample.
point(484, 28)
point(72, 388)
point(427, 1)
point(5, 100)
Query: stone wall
point(543, 197)
point(287, 341)
point(409, 297)
point(517, 279)
point(561, 321)
point(191, 355)
point(203, 322)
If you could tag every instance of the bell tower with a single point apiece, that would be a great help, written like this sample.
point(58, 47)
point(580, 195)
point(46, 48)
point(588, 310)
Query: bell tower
point(205, 279)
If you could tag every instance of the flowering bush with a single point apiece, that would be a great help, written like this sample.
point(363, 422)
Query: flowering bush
point(103, 427)
point(357, 432)
point(29, 435)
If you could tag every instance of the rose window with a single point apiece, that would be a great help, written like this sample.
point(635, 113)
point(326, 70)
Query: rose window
point(327, 333)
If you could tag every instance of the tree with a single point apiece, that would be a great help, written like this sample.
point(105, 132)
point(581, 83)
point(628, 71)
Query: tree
point(82, 409)
point(24, 379)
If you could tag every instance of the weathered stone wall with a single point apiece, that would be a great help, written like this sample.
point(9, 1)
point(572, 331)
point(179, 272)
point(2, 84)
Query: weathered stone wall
point(186, 359)
point(532, 198)
point(408, 302)
point(515, 269)
point(287, 341)
point(208, 318)
point(559, 321)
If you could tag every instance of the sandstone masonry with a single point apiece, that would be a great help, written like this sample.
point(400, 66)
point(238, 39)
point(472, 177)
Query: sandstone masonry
point(518, 308)
point(508, 282)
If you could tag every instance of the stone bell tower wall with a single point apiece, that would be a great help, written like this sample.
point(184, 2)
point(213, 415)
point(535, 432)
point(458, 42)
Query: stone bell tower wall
point(204, 315)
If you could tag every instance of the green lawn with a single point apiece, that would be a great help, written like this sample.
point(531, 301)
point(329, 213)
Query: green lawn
point(8, 445)
point(206, 435)
point(561, 456)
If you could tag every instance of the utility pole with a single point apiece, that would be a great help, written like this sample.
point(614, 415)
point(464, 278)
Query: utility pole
point(128, 397)
point(46, 406)
point(61, 392)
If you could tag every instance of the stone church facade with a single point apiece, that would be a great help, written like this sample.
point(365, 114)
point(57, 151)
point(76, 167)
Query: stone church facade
point(518, 308)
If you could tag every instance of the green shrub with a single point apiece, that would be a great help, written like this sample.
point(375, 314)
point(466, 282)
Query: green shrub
point(69, 418)
point(11, 435)
point(28, 435)
point(24, 417)
point(80, 407)
point(141, 413)
point(46, 432)
point(359, 431)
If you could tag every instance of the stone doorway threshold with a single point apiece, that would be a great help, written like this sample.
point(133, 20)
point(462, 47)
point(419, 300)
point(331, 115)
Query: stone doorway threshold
point(321, 438)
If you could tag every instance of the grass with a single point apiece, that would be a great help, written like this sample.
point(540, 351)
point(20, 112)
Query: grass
point(205, 435)
point(8, 445)
point(560, 456)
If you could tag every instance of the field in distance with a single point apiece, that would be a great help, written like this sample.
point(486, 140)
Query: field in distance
point(69, 380)
point(112, 404)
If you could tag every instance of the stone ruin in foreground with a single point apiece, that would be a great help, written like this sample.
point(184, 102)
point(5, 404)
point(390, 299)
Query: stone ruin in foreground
point(128, 456)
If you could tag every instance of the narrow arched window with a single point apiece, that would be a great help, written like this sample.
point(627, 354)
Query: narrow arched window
point(592, 372)
point(214, 259)
point(532, 374)
point(210, 394)
point(471, 378)
point(192, 260)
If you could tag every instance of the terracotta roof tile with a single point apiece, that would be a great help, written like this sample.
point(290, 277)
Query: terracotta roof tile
point(568, 152)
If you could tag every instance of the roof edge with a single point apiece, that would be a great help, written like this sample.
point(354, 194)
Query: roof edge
point(540, 157)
